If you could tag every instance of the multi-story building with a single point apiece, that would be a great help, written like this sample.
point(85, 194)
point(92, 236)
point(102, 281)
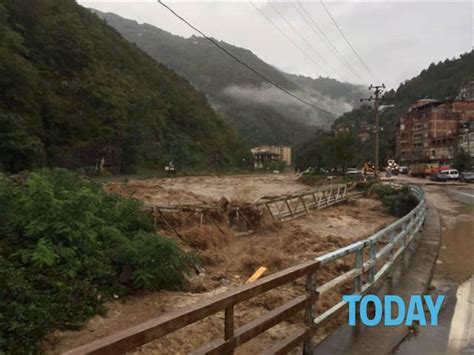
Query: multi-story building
point(267, 154)
point(430, 130)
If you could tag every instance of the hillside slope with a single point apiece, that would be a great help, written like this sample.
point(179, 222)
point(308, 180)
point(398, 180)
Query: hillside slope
point(73, 91)
point(439, 81)
point(258, 111)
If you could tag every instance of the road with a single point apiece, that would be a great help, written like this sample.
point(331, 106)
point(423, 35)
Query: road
point(463, 195)
point(453, 277)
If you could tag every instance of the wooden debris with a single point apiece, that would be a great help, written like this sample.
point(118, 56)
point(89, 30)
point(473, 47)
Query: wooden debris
point(257, 274)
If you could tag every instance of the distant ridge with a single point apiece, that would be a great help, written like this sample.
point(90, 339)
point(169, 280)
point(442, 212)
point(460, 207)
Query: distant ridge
point(260, 113)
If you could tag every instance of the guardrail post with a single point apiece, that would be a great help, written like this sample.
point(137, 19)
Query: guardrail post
point(359, 260)
point(405, 238)
point(372, 258)
point(391, 239)
point(229, 324)
point(309, 315)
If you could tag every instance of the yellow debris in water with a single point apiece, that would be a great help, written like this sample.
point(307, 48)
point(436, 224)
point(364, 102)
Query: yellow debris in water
point(257, 274)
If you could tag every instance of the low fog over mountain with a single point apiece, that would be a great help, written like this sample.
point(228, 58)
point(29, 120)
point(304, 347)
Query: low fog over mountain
point(259, 112)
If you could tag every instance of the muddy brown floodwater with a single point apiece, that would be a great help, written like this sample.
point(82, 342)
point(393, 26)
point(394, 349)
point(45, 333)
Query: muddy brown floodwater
point(206, 189)
point(229, 259)
point(453, 273)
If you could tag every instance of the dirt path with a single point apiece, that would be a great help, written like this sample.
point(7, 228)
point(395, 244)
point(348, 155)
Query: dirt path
point(228, 262)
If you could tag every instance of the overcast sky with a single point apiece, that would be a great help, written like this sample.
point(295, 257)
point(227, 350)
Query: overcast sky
point(395, 39)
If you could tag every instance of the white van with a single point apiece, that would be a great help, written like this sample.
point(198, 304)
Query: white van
point(452, 174)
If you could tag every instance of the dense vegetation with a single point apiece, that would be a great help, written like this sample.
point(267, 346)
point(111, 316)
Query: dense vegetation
point(326, 150)
point(66, 247)
point(73, 91)
point(463, 161)
point(398, 201)
point(262, 116)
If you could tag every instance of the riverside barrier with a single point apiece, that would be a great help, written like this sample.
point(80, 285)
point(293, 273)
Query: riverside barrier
point(374, 258)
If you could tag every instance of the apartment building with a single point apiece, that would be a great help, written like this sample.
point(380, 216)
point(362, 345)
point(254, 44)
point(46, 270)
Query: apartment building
point(431, 130)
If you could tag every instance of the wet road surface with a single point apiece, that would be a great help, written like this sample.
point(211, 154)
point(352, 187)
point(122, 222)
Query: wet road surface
point(454, 278)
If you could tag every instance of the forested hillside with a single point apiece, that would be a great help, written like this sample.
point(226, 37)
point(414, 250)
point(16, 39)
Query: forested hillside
point(439, 81)
point(260, 113)
point(73, 91)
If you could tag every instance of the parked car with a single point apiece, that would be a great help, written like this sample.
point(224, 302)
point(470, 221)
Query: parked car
point(353, 171)
point(467, 176)
point(403, 170)
point(441, 176)
point(453, 174)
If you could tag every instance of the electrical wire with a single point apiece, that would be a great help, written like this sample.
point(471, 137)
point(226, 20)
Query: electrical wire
point(255, 71)
point(347, 40)
point(301, 37)
point(269, 20)
point(320, 33)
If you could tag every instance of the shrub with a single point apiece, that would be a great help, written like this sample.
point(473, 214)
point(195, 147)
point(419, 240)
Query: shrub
point(65, 246)
point(399, 201)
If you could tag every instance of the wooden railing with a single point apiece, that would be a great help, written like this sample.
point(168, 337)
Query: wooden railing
point(386, 246)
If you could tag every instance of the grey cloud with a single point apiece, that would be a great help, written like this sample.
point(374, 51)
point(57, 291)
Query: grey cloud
point(396, 39)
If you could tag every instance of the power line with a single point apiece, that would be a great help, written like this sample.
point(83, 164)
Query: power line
point(303, 17)
point(320, 33)
point(255, 71)
point(347, 40)
point(301, 36)
point(283, 33)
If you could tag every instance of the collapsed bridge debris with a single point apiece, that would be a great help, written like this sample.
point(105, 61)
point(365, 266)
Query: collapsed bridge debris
point(290, 206)
point(246, 217)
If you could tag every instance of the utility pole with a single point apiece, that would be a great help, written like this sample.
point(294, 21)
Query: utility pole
point(378, 91)
point(467, 128)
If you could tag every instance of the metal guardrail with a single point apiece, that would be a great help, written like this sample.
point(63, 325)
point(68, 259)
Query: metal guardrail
point(386, 246)
point(285, 207)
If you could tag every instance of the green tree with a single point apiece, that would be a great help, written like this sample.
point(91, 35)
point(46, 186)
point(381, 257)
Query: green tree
point(72, 87)
point(20, 148)
point(462, 160)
